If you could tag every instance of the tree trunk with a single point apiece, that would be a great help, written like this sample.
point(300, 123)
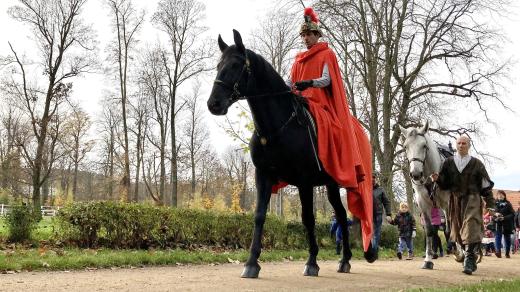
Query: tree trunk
point(138, 164)
point(173, 176)
point(408, 187)
point(75, 177)
point(192, 161)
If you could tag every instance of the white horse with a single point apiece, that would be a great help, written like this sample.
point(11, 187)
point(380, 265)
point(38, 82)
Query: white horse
point(424, 159)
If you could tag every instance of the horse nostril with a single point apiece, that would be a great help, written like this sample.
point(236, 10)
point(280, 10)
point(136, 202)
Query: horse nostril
point(213, 103)
point(415, 176)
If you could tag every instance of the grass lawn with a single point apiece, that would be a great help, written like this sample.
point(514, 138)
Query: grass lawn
point(18, 258)
point(487, 286)
point(69, 259)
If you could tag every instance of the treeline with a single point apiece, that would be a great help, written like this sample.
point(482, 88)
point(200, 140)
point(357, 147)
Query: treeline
point(403, 62)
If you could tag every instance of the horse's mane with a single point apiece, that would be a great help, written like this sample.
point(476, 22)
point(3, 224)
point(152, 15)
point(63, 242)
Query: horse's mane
point(261, 67)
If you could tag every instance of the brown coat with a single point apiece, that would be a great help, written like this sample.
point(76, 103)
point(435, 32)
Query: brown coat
point(465, 207)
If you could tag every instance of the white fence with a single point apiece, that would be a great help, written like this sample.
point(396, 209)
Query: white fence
point(46, 210)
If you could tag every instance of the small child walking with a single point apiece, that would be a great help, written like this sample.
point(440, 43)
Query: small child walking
point(488, 241)
point(406, 226)
point(335, 229)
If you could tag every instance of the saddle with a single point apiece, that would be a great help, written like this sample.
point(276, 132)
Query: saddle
point(446, 151)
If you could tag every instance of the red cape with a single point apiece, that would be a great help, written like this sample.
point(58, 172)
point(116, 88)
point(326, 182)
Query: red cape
point(343, 146)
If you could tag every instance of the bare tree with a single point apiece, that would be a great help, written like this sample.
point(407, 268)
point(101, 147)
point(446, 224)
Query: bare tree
point(65, 45)
point(152, 79)
point(277, 38)
point(126, 23)
point(187, 57)
point(195, 132)
point(76, 141)
point(393, 52)
point(108, 126)
point(10, 158)
point(212, 179)
point(238, 165)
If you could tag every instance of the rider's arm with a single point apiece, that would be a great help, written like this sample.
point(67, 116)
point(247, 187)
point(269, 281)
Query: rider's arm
point(324, 80)
point(321, 82)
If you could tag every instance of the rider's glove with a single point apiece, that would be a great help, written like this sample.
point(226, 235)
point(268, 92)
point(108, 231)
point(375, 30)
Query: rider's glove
point(302, 85)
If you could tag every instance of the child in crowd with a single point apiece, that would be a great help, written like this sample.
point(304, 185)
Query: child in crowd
point(335, 229)
point(406, 226)
point(488, 241)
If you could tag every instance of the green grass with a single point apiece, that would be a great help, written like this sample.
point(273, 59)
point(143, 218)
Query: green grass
point(486, 286)
point(71, 259)
point(44, 231)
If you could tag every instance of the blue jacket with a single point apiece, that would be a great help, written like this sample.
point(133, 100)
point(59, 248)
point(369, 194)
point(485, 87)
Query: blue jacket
point(336, 228)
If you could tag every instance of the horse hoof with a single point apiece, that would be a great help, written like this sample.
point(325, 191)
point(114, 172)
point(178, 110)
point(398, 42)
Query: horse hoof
point(428, 266)
point(459, 258)
point(311, 270)
point(251, 271)
point(344, 267)
point(371, 255)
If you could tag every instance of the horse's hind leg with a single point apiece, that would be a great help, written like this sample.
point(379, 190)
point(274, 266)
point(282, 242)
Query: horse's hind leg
point(311, 267)
point(341, 217)
point(263, 189)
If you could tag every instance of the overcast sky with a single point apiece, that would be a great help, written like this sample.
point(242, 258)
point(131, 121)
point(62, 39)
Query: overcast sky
point(225, 15)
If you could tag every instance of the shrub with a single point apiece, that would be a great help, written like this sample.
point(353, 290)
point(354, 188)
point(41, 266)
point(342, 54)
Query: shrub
point(120, 225)
point(20, 223)
point(142, 226)
point(390, 237)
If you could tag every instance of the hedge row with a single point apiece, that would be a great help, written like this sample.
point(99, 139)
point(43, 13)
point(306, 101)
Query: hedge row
point(117, 225)
point(140, 226)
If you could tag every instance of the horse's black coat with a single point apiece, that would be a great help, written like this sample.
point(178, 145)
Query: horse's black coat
point(281, 148)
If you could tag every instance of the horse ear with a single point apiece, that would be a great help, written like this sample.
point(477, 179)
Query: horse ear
point(404, 131)
point(238, 41)
point(221, 44)
point(425, 128)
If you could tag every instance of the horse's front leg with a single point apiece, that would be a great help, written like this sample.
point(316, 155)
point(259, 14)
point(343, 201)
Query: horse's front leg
point(263, 193)
point(428, 228)
point(341, 216)
point(311, 267)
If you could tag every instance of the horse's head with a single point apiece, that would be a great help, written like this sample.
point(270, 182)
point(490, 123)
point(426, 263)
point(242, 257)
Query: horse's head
point(233, 72)
point(416, 148)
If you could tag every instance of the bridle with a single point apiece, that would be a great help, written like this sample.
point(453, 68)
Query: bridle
point(235, 93)
point(422, 161)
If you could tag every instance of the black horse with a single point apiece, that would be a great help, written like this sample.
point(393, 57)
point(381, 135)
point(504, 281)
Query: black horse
point(282, 147)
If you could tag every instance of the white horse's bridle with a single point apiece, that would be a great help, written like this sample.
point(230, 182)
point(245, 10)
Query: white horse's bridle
point(422, 161)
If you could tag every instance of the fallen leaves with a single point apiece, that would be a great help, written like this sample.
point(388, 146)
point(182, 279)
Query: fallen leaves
point(236, 262)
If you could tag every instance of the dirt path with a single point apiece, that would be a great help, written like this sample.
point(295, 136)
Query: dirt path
point(382, 275)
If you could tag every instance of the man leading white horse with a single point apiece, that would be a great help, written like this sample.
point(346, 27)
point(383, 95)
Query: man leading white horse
point(468, 182)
